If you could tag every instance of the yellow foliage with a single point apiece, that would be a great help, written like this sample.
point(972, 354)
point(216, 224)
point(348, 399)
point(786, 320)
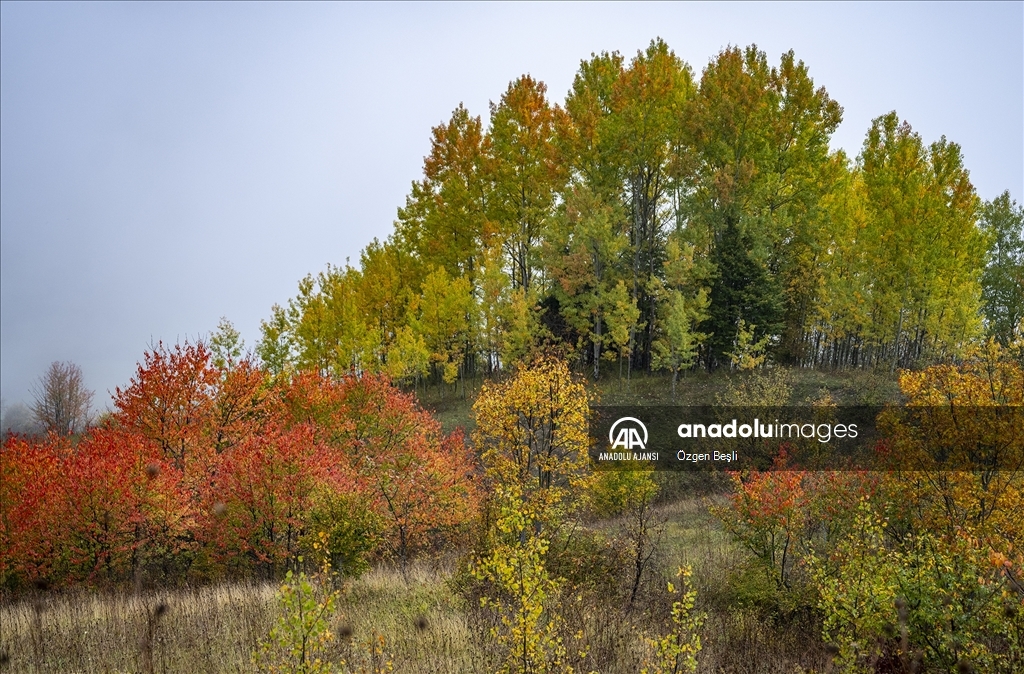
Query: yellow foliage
point(532, 433)
point(963, 430)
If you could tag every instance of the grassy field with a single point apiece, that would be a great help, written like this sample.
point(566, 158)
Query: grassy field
point(412, 622)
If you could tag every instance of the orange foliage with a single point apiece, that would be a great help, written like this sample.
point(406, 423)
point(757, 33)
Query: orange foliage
point(203, 471)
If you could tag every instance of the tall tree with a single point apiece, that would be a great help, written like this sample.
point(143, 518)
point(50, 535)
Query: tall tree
point(759, 162)
point(445, 219)
point(588, 140)
point(327, 326)
point(526, 172)
point(226, 345)
point(742, 290)
point(582, 251)
point(649, 99)
point(62, 403)
point(391, 273)
point(923, 244)
point(1003, 281)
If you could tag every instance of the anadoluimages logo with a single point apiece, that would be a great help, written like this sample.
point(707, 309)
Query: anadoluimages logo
point(628, 436)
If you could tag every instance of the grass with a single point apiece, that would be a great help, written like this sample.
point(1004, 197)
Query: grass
point(204, 630)
point(454, 408)
point(413, 622)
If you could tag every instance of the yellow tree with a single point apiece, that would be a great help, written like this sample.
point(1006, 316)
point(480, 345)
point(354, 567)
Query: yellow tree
point(532, 434)
point(960, 446)
point(391, 273)
point(526, 172)
point(443, 315)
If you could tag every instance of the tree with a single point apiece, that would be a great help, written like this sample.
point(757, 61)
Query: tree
point(925, 252)
point(581, 251)
point(676, 348)
point(418, 481)
point(275, 349)
point(758, 164)
point(62, 402)
point(443, 315)
point(532, 432)
point(266, 486)
point(170, 400)
point(527, 172)
point(445, 217)
point(525, 595)
point(741, 291)
point(1002, 284)
point(16, 419)
point(226, 345)
point(649, 99)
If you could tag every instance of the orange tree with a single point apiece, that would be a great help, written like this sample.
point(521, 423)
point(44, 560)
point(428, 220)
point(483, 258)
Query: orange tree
point(207, 469)
point(418, 481)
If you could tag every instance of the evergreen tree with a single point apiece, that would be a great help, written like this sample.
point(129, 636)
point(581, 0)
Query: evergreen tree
point(741, 289)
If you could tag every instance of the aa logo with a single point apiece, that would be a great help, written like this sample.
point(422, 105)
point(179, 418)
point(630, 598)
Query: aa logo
point(629, 434)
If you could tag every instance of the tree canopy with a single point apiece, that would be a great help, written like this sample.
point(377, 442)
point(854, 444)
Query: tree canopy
point(657, 218)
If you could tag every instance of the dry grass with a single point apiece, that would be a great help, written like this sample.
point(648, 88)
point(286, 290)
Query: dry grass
point(206, 630)
point(425, 626)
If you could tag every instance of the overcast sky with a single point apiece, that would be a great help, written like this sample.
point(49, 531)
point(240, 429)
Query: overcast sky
point(162, 165)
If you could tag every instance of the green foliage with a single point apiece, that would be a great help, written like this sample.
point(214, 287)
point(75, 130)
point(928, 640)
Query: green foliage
point(935, 601)
point(677, 651)
point(299, 641)
point(742, 293)
point(226, 345)
point(581, 251)
point(1003, 280)
point(345, 526)
point(765, 388)
point(442, 315)
point(614, 492)
point(275, 345)
point(747, 354)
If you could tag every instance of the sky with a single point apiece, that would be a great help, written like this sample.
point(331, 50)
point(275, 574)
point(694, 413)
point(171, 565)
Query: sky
point(164, 165)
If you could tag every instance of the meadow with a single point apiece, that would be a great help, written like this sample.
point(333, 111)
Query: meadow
point(388, 620)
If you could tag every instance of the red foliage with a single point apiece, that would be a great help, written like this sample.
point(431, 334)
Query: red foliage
point(419, 480)
point(170, 400)
point(254, 511)
point(776, 511)
point(208, 471)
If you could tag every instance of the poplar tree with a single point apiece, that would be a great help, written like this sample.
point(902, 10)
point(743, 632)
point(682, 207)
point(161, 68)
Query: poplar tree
point(1003, 279)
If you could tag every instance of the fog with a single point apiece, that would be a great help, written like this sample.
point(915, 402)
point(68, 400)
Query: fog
point(163, 165)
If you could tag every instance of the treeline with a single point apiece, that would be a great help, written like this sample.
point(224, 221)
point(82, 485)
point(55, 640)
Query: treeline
point(663, 221)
